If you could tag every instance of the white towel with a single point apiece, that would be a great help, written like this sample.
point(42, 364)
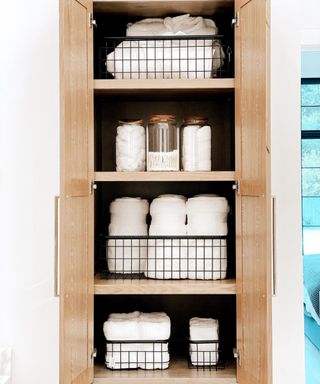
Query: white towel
point(207, 215)
point(183, 24)
point(154, 326)
point(128, 218)
point(137, 355)
point(122, 326)
point(165, 59)
point(130, 148)
point(204, 329)
point(196, 151)
point(207, 259)
point(137, 326)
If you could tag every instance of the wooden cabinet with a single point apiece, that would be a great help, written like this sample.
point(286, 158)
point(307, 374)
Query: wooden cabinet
point(89, 182)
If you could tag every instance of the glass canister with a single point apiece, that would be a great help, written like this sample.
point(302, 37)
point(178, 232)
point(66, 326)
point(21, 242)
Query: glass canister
point(196, 144)
point(130, 145)
point(162, 143)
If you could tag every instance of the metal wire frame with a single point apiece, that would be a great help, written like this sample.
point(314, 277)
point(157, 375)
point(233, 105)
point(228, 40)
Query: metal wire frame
point(165, 257)
point(170, 57)
point(205, 355)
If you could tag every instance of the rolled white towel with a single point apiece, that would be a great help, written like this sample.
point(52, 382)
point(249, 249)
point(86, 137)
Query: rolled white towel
point(154, 326)
point(128, 218)
point(168, 204)
point(207, 259)
point(122, 326)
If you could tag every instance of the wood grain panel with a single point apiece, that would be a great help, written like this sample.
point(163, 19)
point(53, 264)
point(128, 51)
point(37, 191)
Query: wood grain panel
point(167, 287)
point(74, 98)
point(253, 201)
point(178, 372)
point(156, 8)
point(76, 230)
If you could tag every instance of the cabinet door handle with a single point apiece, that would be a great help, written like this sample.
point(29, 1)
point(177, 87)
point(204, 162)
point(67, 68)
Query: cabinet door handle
point(56, 247)
point(273, 246)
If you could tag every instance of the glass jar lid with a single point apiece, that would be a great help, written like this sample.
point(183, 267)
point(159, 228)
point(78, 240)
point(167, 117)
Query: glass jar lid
point(130, 121)
point(155, 118)
point(201, 120)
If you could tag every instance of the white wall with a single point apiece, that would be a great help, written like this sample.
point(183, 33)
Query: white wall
point(288, 343)
point(29, 126)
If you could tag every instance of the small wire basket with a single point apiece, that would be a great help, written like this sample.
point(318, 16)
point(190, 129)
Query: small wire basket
point(148, 355)
point(165, 257)
point(170, 57)
point(205, 355)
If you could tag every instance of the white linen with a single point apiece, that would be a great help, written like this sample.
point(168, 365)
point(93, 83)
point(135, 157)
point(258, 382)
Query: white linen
point(167, 257)
point(137, 326)
point(204, 329)
point(137, 355)
point(165, 59)
point(196, 150)
point(207, 215)
point(207, 259)
point(130, 148)
point(128, 218)
point(183, 24)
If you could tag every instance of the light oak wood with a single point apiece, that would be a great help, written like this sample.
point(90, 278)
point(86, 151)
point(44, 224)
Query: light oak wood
point(167, 287)
point(76, 204)
point(164, 176)
point(181, 86)
point(178, 372)
point(156, 8)
point(253, 225)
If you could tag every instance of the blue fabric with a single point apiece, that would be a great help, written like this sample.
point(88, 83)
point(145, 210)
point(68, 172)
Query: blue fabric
point(311, 277)
point(312, 330)
point(312, 358)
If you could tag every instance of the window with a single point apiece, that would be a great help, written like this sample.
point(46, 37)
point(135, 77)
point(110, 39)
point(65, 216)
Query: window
point(310, 134)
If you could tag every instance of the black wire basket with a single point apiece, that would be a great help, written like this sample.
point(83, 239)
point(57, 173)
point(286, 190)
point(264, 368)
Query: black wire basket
point(148, 355)
point(165, 257)
point(170, 57)
point(205, 355)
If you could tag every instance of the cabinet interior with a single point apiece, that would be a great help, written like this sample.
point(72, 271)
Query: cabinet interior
point(106, 192)
point(219, 108)
point(180, 308)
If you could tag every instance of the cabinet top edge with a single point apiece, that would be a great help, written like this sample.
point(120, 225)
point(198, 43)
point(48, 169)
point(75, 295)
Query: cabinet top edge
point(157, 8)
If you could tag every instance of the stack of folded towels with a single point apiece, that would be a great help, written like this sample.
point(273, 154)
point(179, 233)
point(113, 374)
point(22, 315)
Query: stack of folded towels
point(167, 257)
point(204, 337)
point(207, 216)
point(167, 59)
point(137, 340)
point(128, 218)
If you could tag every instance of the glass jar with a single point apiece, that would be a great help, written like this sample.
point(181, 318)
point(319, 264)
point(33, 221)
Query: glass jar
point(196, 144)
point(130, 145)
point(162, 143)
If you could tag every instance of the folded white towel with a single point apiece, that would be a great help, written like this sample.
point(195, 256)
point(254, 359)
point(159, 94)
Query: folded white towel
point(183, 24)
point(204, 329)
point(137, 326)
point(154, 326)
point(165, 59)
point(122, 326)
point(137, 355)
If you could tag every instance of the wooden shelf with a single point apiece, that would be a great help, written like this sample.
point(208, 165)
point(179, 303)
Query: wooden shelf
point(169, 287)
point(158, 8)
point(165, 176)
point(158, 86)
point(177, 373)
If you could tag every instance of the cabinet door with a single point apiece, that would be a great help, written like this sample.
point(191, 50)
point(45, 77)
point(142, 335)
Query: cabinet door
point(76, 259)
point(253, 199)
